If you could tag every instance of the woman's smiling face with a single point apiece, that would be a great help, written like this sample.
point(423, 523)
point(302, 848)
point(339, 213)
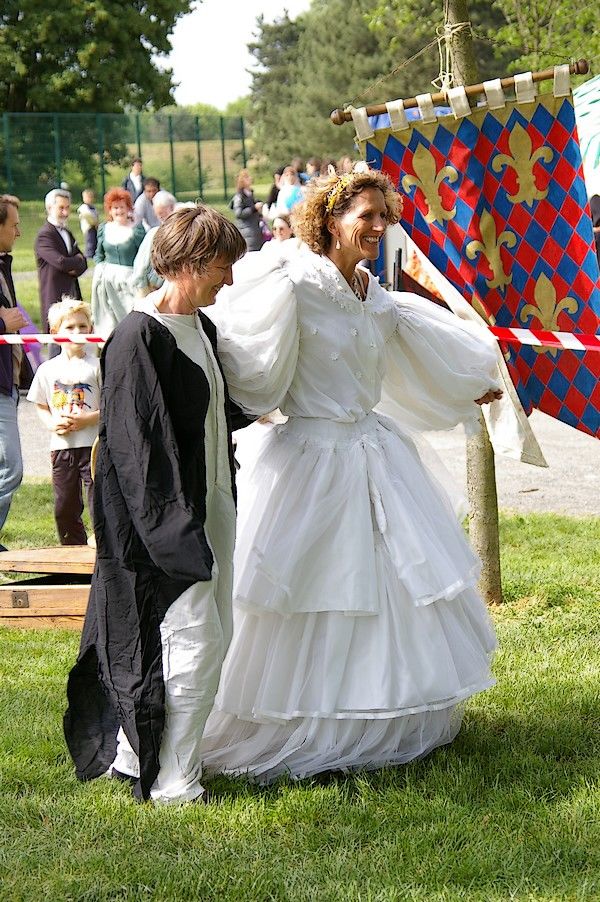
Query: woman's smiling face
point(210, 282)
point(360, 229)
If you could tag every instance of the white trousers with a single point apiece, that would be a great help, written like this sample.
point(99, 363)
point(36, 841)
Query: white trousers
point(194, 640)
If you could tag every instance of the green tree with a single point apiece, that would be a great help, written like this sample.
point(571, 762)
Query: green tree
point(338, 57)
point(342, 51)
point(240, 107)
point(408, 26)
point(549, 31)
point(509, 35)
point(90, 55)
point(305, 68)
point(275, 51)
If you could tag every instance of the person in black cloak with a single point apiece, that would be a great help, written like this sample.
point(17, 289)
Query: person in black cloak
point(158, 621)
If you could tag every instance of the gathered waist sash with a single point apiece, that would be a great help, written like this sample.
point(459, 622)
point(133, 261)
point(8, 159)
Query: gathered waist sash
point(324, 432)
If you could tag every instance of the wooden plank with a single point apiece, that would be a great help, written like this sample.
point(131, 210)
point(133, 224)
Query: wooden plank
point(61, 559)
point(23, 602)
point(43, 623)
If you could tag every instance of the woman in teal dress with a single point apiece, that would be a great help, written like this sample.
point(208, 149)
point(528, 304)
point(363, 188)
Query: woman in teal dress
point(113, 292)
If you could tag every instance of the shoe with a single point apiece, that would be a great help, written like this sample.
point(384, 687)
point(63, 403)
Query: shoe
point(3, 548)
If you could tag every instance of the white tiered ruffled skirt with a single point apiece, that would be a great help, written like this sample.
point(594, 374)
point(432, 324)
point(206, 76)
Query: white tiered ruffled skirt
point(357, 627)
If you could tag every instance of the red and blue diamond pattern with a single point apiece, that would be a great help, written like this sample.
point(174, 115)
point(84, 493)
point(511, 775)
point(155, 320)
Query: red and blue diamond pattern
point(553, 238)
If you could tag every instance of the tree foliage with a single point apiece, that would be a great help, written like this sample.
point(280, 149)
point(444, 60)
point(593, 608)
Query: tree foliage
point(338, 58)
point(549, 31)
point(509, 35)
point(410, 25)
point(340, 50)
point(91, 55)
point(275, 52)
point(306, 68)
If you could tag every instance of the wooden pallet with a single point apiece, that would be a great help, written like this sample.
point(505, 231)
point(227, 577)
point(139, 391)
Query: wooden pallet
point(58, 598)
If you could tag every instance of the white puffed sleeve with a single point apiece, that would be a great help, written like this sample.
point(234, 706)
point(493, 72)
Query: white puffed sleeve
point(436, 366)
point(258, 334)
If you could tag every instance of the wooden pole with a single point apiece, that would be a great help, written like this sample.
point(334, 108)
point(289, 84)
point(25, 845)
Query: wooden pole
point(481, 475)
point(339, 117)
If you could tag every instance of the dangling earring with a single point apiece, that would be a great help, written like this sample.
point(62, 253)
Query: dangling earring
point(337, 244)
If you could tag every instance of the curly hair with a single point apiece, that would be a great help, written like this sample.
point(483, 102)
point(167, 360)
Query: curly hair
point(115, 196)
point(312, 217)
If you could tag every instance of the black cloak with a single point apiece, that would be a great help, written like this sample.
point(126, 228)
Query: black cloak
point(149, 512)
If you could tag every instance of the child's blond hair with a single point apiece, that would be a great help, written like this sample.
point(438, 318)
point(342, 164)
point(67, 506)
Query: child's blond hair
point(64, 308)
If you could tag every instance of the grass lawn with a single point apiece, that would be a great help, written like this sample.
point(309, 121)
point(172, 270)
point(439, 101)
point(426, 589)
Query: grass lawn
point(511, 810)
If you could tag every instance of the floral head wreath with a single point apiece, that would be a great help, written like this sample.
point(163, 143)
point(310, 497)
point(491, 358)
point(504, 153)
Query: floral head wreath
point(342, 183)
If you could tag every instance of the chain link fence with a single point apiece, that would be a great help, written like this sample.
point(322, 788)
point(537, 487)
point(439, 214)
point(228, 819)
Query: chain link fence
point(192, 156)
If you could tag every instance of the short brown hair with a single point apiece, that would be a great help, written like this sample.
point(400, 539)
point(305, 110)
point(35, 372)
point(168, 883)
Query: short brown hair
point(191, 239)
point(6, 201)
point(311, 218)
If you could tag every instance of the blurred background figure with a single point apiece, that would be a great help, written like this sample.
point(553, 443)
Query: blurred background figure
point(143, 209)
point(144, 277)
point(134, 182)
point(119, 240)
point(290, 191)
point(282, 228)
point(270, 204)
point(88, 222)
point(298, 164)
point(345, 165)
point(313, 168)
point(325, 164)
point(282, 232)
point(248, 212)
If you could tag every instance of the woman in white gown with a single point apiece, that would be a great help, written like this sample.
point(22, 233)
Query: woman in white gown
point(358, 629)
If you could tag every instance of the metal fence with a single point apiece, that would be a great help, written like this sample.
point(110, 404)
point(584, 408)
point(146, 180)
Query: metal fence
point(192, 156)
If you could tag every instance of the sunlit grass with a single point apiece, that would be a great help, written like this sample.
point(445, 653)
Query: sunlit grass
point(511, 810)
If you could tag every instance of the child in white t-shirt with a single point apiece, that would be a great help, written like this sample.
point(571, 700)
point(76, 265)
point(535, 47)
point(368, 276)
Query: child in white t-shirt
point(66, 390)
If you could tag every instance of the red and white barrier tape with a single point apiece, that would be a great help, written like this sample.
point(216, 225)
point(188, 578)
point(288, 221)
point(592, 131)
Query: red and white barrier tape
point(537, 337)
point(542, 338)
point(16, 339)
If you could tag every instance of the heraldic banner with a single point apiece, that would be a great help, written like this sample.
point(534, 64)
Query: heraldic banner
point(497, 202)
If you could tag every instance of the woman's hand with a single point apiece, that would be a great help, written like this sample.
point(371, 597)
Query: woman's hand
point(494, 394)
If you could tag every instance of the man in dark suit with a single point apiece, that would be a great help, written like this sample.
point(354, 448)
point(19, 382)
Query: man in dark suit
point(59, 260)
point(15, 371)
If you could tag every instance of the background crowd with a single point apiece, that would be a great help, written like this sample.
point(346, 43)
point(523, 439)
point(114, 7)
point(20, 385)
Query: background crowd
point(119, 243)
point(261, 220)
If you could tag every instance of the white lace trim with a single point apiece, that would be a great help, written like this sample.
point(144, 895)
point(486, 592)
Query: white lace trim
point(334, 285)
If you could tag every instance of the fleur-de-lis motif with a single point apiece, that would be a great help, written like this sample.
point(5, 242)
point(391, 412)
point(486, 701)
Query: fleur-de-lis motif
point(546, 309)
point(490, 249)
point(429, 181)
point(522, 161)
